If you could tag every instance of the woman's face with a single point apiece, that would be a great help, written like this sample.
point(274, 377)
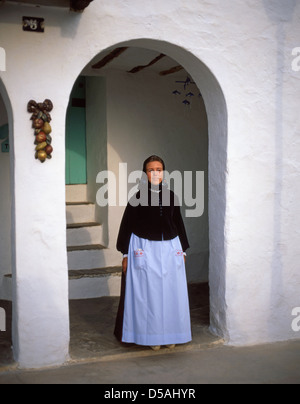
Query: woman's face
point(155, 172)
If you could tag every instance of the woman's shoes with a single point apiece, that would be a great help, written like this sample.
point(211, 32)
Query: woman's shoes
point(157, 347)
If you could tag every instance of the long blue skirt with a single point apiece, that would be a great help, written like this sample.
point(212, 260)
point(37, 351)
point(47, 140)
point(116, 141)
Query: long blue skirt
point(156, 309)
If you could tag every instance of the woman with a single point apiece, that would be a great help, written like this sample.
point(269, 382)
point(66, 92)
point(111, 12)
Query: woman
point(154, 305)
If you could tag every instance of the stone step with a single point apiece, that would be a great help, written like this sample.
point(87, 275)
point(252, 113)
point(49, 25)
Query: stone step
point(88, 283)
point(88, 273)
point(91, 247)
point(76, 193)
point(80, 212)
point(94, 273)
point(84, 234)
point(80, 258)
point(92, 283)
point(80, 225)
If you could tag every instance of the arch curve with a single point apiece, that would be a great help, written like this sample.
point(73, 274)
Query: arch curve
point(217, 115)
point(5, 97)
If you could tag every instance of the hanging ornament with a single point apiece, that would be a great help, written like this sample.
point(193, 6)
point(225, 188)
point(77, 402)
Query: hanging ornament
point(187, 101)
point(41, 119)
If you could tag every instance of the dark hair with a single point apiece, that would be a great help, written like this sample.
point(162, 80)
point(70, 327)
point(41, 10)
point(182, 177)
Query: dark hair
point(151, 159)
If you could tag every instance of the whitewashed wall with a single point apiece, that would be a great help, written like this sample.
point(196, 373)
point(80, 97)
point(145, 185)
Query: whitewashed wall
point(239, 53)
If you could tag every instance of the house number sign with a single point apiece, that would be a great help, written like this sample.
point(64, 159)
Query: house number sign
point(33, 24)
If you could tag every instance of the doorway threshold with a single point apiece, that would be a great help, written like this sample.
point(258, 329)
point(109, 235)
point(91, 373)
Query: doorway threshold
point(93, 321)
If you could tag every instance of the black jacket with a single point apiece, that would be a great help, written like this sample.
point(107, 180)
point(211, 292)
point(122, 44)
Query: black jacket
point(155, 220)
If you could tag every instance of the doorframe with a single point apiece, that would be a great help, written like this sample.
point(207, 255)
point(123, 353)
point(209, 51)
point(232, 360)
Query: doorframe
point(9, 111)
point(217, 115)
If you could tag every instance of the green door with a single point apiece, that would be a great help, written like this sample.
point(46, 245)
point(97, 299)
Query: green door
point(4, 139)
point(76, 171)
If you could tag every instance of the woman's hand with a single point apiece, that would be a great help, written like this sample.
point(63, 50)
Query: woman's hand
point(124, 265)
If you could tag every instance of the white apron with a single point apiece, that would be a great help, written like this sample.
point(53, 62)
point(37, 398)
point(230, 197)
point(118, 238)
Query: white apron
point(156, 300)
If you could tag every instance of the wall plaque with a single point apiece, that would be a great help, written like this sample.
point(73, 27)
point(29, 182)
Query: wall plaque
point(33, 24)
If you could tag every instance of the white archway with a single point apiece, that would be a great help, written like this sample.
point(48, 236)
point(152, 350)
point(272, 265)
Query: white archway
point(9, 227)
point(217, 126)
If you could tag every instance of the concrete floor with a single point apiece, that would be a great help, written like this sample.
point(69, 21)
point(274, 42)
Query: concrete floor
point(92, 324)
point(268, 364)
point(93, 320)
point(97, 357)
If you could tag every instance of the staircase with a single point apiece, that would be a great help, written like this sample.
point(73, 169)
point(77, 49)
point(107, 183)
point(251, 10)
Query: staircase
point(89, 274)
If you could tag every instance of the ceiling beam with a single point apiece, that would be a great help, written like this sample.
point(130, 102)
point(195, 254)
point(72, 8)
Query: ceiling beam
point(173, 70)
point(79, 5)
point(111, 56)
point(139, 68)
point(75, 5)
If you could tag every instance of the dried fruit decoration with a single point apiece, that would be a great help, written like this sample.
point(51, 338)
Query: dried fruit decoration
point(41, 119)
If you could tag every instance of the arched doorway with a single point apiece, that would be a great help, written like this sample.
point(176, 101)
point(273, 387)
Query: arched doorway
point(5, 201)
point(215, 110)
point(6, 232)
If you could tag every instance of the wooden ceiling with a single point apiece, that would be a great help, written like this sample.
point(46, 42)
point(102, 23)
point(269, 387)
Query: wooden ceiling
point(76, 5)
point(53, 3)
point(114, 57)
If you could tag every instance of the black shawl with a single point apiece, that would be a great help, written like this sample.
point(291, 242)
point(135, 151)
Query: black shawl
point(156, 218)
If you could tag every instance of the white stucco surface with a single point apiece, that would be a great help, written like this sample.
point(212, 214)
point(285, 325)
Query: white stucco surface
point(244, 71)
